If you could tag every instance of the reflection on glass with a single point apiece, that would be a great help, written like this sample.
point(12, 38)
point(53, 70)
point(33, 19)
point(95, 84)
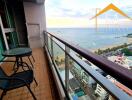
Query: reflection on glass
point(81, 86)
point(84, 87)
point(59, 58)
point(49, 44)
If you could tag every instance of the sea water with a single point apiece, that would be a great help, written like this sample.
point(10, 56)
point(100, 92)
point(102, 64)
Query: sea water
point(89, 38)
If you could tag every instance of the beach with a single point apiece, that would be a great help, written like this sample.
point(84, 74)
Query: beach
point(111, 46)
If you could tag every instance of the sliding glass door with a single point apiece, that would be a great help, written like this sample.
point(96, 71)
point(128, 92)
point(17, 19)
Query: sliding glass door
point(8, 23)
point(2, 46)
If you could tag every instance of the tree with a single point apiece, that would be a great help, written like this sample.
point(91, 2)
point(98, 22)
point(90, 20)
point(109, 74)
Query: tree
point(127, 52)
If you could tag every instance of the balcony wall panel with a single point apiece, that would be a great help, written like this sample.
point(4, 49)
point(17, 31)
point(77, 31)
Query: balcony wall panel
point(35, 14)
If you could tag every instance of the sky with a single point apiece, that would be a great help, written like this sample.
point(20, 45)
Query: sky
point(78, 13)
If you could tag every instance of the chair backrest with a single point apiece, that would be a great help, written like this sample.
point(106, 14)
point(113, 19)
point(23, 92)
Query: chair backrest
point(2, 73)
point(3, 83)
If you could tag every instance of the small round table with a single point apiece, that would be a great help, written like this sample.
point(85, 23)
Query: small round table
point(18, 53)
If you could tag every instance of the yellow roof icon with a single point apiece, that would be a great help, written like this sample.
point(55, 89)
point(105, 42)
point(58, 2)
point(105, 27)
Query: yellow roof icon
point(113, 7)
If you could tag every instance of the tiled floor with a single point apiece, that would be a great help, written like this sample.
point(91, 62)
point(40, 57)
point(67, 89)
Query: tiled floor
point(43, 91)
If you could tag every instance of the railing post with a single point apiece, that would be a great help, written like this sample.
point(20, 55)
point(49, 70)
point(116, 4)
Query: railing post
point(45, 38)
point(67, 50)
point(47, 41)
point(52, 52)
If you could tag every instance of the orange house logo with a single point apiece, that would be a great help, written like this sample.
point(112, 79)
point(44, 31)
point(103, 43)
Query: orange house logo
point(112, 7)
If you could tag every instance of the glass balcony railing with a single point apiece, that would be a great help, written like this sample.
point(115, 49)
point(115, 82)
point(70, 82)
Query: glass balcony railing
point(84, 75)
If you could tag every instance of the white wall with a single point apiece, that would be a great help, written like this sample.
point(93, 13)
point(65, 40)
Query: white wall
point(35, 14)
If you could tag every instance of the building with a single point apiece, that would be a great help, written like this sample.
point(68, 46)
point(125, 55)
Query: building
point(121, 60)
point(101, 93)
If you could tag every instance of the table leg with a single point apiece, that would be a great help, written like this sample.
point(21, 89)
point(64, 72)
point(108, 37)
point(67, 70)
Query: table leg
point(16, 63)
point(21, 63)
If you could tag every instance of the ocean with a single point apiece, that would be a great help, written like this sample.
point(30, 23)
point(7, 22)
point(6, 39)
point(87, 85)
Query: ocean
point(91, 39)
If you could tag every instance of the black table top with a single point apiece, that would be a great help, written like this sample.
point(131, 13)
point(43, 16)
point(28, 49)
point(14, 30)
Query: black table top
point(17, 52)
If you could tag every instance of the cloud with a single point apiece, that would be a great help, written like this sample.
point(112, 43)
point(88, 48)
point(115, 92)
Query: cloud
point(128, 10)
point(76, 13)
point(66, 8)
point(85, 22)
point(68, 22)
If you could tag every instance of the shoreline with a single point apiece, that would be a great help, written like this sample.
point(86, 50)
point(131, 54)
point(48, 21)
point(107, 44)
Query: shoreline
point(129, 40)
point(111, 46)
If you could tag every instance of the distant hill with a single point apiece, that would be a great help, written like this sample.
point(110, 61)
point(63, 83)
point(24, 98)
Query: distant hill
point(129, 35)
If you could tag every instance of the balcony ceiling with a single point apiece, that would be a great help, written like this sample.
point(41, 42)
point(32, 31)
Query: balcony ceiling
point(35, 1)
point(29, 0)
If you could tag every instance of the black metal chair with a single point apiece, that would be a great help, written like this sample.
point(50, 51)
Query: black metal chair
point(23, 64)
point(16, 80)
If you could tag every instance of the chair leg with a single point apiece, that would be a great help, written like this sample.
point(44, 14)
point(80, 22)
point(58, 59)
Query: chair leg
point(36, 82)
point(30, 62)
point(14, 66)
point(31, 92)
point(33, 58)
point(23, 68)
point(2, 95)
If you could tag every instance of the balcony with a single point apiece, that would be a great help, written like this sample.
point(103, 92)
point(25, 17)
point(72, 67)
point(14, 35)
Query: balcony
point(84, 75)
point(77, 73)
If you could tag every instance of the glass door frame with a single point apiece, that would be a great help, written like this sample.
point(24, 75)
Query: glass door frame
point(9, 32)
point(4, 35)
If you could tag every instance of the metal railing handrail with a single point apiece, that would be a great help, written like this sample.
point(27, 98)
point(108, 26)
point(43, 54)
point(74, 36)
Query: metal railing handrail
point(120, 73)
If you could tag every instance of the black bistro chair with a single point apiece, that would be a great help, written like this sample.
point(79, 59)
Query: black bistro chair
point(15, 81)
point(23, 64)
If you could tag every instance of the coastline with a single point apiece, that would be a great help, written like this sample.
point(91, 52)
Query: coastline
point(111, 46)
point(129, 41)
